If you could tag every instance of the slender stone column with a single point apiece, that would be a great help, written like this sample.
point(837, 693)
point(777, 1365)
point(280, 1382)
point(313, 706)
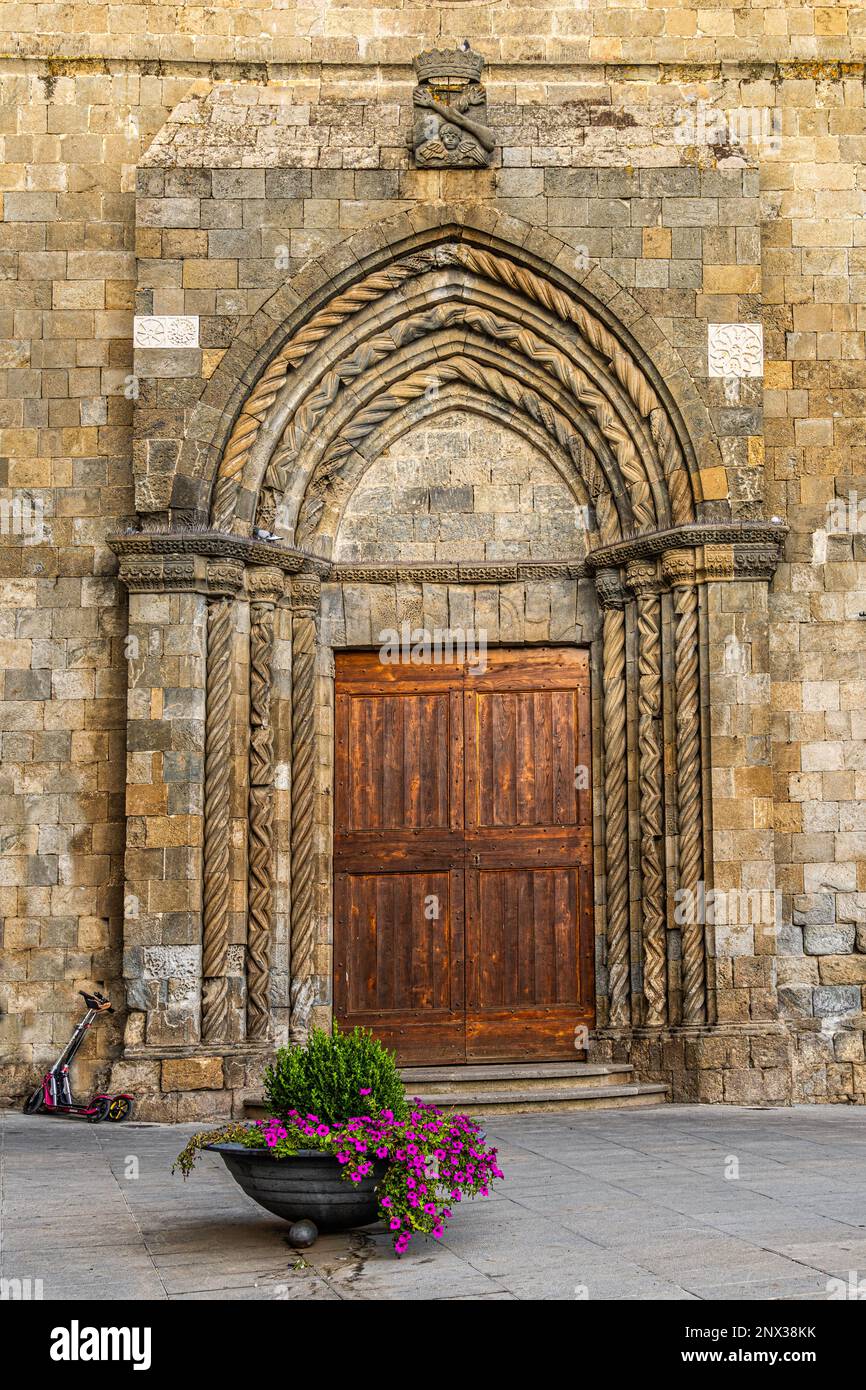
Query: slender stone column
point(305, 606)
point(642, 579)
point(678, 568)
point(265, 587)
point(217, 1022)
point(612, 598)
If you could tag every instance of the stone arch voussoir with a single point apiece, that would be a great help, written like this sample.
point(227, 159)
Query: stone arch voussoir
point(302, 313)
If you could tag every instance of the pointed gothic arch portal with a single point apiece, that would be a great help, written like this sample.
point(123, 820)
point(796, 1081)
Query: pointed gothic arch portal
point(460, 315)
point(448, 320)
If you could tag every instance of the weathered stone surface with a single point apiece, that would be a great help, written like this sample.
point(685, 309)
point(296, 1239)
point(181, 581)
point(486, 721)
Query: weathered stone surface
point(828, 941)
point(836, 1001)
point(103, 833)
point(192, 1074)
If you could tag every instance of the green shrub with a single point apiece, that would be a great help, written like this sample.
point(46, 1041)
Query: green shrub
point(335, 1076)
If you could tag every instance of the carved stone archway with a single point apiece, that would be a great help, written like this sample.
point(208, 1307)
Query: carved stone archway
point(447, 310)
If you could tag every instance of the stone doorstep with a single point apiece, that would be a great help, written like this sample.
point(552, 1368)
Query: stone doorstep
point(514, 1103)
point(523, 1087)
point(432, 1082)
point(493, 1100)
point(512, 1071)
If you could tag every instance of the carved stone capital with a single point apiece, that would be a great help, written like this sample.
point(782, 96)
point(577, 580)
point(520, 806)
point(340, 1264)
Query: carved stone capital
point(755, 561)
point(264, 584)
point(717, 562)
point(173, 572)
point(161, 573)
point(642, 577)
point(306, 590)
point(678, 567)
point(224, 577)
point(609, 587)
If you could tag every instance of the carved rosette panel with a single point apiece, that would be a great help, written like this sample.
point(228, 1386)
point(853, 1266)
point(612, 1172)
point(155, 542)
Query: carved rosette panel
point(265, 588)
point(612, 599)
point(678, 567)
point(305, 604)
point(216, 1024)
point(643, 580)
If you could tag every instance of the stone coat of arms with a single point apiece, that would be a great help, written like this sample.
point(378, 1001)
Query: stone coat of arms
point(450, 130)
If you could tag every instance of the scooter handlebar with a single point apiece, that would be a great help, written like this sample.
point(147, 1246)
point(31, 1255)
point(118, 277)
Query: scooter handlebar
point(96, 1001)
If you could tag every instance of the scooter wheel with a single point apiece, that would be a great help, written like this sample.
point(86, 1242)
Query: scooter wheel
point(100, 1111)
point(33, 1104)
point(119, 1109)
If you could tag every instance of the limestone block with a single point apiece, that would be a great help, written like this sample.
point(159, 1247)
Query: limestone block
point(842, 970)
point(836, 1001)
point(795, 1001)
point(828, 941)
point(192, 1074)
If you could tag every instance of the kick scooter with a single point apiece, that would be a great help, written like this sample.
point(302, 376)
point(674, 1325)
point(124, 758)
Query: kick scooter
point(54, 1096)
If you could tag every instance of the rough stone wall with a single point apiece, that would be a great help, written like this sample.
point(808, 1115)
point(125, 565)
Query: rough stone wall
point(814, 308)
point(461, 489)
point(71, 136)
point(303, 154)
point(513, 31)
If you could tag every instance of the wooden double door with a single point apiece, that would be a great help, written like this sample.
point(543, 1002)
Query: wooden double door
point(463, 854)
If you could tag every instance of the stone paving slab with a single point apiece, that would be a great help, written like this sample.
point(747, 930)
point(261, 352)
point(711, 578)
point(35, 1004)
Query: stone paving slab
point(613, 1205)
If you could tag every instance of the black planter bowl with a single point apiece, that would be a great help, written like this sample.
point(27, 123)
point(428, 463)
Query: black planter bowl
point(308, 1184)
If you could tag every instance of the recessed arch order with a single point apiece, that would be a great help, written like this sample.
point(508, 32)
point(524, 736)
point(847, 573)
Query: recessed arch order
point(454, 305)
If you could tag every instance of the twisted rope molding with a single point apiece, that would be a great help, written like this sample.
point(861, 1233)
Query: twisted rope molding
point(615, 430)
point(486, 379)
point(264, 393)
point(689, 811)
point(651, 793)
point(303, 807)
point(260, 918)
point(477, 261)
point(616, 815)
point(215, 1001)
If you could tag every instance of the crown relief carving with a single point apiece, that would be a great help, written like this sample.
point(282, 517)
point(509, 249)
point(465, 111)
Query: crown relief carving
point(450, 129)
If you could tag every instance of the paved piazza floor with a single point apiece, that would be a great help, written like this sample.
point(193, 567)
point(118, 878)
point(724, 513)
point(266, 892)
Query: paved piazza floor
point(678, 1202)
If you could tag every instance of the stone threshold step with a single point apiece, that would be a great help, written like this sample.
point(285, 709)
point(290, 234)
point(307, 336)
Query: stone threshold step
point(541, 1096)
point(492, 1101)
point(511, 1071)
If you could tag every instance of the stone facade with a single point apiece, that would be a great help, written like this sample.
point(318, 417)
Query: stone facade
point(646, 314)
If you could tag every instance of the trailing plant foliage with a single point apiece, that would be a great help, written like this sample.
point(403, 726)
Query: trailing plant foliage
point(226, 1134)
point(433, 1160)
point(334, 1076)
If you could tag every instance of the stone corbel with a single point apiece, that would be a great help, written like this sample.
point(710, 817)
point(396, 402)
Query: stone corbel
point(680, 573)
point(612, 598)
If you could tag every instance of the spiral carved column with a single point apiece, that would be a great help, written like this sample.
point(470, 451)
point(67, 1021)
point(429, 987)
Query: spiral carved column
point(216, 1025)
point(305, 606)
point(612, 598)
point(642, 579)
point(678, 567)
point(265, 588)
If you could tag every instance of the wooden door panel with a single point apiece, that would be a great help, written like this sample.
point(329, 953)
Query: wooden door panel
point(523, 750)
point(461, 787)
point(524, 937)
point(398, 856)
point(528, 856)
point(397, 761)
point(529, 969)
point(398, 965)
